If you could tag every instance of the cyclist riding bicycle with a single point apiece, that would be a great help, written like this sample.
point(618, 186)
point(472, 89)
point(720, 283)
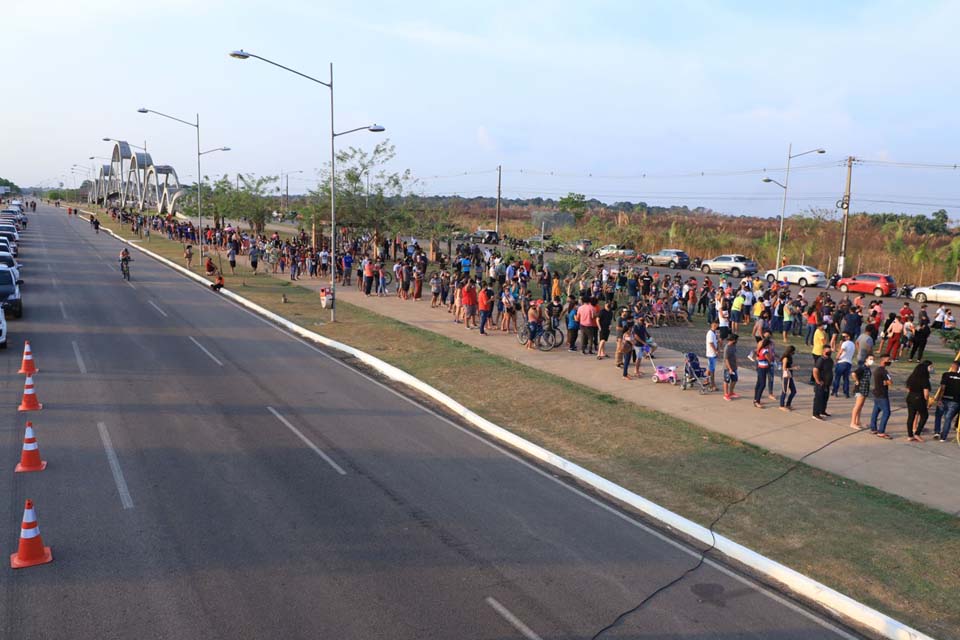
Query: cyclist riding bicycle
point(125, 260)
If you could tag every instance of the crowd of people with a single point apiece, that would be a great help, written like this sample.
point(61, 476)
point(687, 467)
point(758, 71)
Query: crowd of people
point(853, 341)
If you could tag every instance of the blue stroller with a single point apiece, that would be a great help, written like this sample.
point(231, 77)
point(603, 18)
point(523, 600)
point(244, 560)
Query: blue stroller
point(694, 375)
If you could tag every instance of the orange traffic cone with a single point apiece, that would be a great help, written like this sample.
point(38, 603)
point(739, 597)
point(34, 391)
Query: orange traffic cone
point(30, 455)
point(29, 402)
point(31, 551)
point(28, 366)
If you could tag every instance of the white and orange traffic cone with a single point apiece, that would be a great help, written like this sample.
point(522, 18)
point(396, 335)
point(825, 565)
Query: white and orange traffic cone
point(30, 551)
point(29, 402)
point(30, 455)
point(28, 366)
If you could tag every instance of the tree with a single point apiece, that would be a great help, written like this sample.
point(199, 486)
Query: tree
point(8, 183)
point(575, 203)
point(251, 203)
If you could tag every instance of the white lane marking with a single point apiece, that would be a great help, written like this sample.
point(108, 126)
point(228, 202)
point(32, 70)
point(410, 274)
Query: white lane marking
point(53, 279)
point(202, 348)
point(514, 621)
point(776, 597)
point(131, 284)
point(118, 478)
point(112, 268)
point(154, 305)
point(49, 267)
point(63, 311)
point(307, 441)
point(76, 352)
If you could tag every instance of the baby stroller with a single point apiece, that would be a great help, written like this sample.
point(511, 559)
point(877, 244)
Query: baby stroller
point(694, 375)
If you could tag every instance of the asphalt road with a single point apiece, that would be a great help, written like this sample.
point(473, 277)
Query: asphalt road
point(261, 489)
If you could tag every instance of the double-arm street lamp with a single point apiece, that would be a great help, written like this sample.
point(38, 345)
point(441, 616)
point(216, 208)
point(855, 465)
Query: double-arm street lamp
point(195, 125)
point(244, 55)
point(783, 209)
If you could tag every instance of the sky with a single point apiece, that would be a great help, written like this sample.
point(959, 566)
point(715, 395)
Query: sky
point(670, 102)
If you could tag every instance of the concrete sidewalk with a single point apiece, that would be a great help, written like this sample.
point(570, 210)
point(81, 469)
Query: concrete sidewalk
point(924, 472)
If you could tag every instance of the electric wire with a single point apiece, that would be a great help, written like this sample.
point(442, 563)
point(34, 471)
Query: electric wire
point(703, 554)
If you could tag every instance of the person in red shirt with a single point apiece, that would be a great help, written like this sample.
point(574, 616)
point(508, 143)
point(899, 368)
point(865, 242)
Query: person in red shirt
point(906, 313)
point(469, 301)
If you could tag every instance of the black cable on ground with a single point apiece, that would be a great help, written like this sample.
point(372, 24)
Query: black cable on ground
point(703, 554)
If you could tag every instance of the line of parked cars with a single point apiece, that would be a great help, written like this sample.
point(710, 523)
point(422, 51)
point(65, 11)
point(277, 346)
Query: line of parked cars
point(13, 220)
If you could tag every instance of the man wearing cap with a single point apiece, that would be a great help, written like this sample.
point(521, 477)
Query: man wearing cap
point(822, 377)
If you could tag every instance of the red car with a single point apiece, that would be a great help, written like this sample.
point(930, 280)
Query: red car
point(878, 284)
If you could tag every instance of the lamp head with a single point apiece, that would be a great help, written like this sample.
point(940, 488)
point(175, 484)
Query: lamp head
point(821, 150)
point(239, 54)
point(91, 157)
point(376, 128)
point(767, 180)
point(225, 149)
point(143, 110)
point(108, 139)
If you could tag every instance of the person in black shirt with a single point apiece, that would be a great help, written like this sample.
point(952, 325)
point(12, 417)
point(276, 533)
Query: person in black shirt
point(918, 395)
point(920, 337)
point(646, 280)
point(948, 403)
point(822, 379)
point(605, 317)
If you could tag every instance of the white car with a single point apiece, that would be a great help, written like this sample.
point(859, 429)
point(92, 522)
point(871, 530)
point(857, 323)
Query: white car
point(799, 274)
point(613, 251)
point(948, 292)
point(7, 260)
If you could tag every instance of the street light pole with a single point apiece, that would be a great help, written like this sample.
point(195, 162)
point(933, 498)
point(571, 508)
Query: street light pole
point(240, 54)
point(783, 209)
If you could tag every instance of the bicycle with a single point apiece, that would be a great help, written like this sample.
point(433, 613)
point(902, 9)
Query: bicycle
point(125, 269)
point(545, 338)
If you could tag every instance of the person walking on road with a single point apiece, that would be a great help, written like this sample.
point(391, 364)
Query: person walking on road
point(881, 399)
point(822, 379)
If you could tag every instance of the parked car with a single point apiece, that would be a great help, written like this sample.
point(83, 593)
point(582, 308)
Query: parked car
point(733, 263)
point(799, 274)
point(10, 292)
point(7, 260)
point(672, 258)
point(613, 251)
point(948, 292)
point(879, 284)
point(12, 241)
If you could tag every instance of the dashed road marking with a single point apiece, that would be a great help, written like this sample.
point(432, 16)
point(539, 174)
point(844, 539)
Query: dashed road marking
point(514, 621)
point(307, 441)
point(204, 349)
point(154, 305)
point(125, 499)
point(76, 352)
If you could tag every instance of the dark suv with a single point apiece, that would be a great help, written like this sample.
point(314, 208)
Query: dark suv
point(673, 258)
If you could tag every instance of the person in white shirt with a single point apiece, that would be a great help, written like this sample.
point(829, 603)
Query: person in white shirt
point(938, 317)
point(844, 365)
point(713, 347)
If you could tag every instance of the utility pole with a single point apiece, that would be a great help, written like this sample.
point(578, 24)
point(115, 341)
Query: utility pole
point(499, 176)
point(845, 205)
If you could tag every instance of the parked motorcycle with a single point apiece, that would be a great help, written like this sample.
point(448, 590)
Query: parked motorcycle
point(906, 291)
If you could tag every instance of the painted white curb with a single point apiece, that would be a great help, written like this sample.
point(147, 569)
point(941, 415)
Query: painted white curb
point(843, 606)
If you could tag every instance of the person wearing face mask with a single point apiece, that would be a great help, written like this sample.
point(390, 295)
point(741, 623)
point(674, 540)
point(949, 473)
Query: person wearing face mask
point(918, 397)
point(862, 376)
